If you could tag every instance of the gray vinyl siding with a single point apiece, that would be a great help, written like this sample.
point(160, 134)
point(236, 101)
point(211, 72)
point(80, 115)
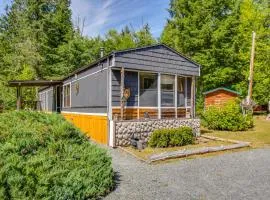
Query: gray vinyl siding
point(157, 59)
point(92, 94)
point(97, 68)
point(116, 87)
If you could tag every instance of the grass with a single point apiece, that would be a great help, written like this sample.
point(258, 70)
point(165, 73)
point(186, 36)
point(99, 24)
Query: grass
point(259, 136)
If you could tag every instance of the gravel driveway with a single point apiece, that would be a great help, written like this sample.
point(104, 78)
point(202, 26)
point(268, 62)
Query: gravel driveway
point(241, 175)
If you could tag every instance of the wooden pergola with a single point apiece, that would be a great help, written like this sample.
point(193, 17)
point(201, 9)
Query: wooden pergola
point(29, 83)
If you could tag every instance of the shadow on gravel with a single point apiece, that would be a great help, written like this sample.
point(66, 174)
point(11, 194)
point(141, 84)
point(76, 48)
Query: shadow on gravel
point(117, 180)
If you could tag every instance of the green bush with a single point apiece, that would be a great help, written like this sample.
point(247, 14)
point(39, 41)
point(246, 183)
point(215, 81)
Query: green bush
point(229, 117)
point(171, 137)
point(42, 156)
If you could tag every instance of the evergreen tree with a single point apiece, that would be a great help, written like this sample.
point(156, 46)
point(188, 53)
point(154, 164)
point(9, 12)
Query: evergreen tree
point(217, 34)
point(30, 33)
point(38, 41)
point(144, 37)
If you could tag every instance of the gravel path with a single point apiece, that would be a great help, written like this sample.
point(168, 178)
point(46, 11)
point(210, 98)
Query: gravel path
point(241, 175)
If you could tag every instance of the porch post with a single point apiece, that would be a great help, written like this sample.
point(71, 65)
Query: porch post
point(122, 92)
point(175, 95)
point(19, 98)
point(186, 97)
point(192, 97)
point(159, 96)
point(138, 108)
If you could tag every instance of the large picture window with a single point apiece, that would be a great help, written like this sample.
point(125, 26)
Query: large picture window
point(167, 90)
point(148, 89)
point(66, 97)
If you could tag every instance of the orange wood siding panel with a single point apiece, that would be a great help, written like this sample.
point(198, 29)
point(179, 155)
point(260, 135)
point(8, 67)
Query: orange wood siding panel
point(132, 113)
point(219, 98)
point(152, 112)
point(167, 113)
point(181, 112)
point(129, 113)
point(95, 127)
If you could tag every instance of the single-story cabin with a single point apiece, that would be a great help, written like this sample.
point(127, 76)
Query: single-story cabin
point(128, 93)
point(219, 96)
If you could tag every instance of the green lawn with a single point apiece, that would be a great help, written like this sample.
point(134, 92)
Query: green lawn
point(259, 136)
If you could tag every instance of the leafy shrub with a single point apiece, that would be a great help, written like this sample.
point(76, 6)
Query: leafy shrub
point(229, 117)
point(45, 157)
point(171, 137)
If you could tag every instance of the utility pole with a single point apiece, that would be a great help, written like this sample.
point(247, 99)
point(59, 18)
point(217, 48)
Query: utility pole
point(249, 97)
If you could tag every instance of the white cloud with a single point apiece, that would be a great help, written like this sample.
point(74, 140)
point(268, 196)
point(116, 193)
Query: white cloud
point(102, 15)
point(95, 13)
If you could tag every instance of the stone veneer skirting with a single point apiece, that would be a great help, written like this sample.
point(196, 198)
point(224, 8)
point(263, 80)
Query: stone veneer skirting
point(124, 130)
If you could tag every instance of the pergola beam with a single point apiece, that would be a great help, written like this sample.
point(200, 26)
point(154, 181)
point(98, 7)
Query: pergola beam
point(29, 83)
point(33, 83)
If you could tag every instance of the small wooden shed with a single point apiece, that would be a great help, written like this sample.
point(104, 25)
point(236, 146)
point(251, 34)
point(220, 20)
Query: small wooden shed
point(219, 96)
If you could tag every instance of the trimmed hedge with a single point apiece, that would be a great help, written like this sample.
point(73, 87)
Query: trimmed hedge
point(171, 137)
point(229, 117)
point(45, 157)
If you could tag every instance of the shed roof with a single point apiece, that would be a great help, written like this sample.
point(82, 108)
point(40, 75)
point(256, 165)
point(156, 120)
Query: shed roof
point(221, 88)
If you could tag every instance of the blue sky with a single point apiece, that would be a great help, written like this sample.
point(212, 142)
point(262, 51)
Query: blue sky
point(102, 15)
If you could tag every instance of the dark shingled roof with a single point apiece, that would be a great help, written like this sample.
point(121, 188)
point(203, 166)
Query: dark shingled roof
point(126, 50)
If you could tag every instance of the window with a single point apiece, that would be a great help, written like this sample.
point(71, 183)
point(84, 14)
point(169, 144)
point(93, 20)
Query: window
point(148, 81)
point(66, 99)
point(167, 90)
point(167, 83)
point(43, 101)
point(181, 84)
point(148, 89)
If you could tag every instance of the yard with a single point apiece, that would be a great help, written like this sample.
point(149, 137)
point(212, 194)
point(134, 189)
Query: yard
point(259, 136)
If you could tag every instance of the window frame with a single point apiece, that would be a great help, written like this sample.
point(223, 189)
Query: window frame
point(148, 76)
point(166, 90)
point(66, 95)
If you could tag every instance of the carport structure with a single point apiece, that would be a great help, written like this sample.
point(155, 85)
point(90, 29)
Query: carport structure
point(30, 83)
